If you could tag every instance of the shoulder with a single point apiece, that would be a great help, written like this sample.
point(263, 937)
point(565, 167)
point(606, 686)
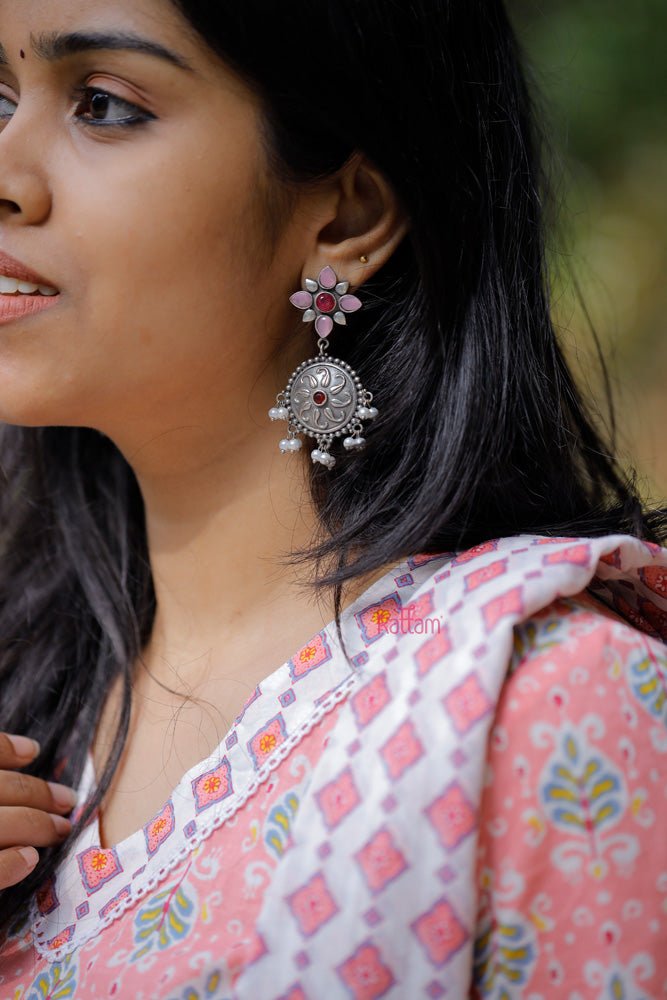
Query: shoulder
point(472, 605)
point(506, 581)
point(577, 658)
point(570, 861)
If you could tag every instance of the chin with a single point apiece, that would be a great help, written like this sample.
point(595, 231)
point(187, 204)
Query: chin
point(34, 404)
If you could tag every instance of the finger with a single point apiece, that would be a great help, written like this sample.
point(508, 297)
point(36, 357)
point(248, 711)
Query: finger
point(17, 789)
point(16, 864)
point(17, 751)
point(21, 825)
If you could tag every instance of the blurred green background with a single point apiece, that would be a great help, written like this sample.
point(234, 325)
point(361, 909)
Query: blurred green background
point(602, 71)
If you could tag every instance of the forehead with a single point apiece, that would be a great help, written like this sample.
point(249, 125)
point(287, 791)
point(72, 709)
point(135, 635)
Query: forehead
point(68, 12)
point(35, 25)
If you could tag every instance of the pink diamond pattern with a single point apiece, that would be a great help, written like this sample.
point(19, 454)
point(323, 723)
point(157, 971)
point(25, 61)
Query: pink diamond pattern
point(338, 798)
point(312, 905)
point(433, 650)
point(365, 974)
point(370, 699)
point(451, 816)
point(401, 750)
point(440, 932)
point(380, 860)
point(509, 603)
point(467, 703)
point(485, 574)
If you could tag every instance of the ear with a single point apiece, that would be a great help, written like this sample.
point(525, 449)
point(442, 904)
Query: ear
point(365, 225)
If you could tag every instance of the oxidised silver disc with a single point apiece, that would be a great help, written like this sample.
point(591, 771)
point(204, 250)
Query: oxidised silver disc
point(324, 395)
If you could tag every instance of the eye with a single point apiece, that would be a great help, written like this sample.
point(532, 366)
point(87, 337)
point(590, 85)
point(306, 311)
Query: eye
point(7, 107)
point(98, 107)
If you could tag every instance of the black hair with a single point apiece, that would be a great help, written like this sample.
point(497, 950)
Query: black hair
point(482, 431)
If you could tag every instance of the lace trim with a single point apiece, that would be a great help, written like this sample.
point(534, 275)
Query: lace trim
point(219, 815)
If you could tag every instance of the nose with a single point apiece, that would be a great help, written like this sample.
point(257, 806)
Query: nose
point(25, 196)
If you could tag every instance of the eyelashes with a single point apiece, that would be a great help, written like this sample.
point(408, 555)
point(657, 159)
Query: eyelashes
point(95, 107)
point(99, 102)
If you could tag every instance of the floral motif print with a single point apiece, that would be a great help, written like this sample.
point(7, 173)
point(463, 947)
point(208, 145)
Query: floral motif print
point(584, 794)
point(164, 920)
point(648, 678)
point(279, 823)
point(504, 955)
point(56, 982)
point(426, 822)
point(569, 801)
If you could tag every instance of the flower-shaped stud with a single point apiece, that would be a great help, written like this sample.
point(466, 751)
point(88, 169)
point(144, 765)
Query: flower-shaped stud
point(326, 301)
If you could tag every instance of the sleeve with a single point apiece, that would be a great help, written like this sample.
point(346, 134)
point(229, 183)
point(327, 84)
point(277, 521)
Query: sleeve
point(572, 861)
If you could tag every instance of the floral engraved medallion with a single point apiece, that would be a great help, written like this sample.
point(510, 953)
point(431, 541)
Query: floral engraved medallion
point(323, 397)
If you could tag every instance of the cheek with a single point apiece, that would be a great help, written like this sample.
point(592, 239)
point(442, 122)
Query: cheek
point(180, 253)
point(178, 319)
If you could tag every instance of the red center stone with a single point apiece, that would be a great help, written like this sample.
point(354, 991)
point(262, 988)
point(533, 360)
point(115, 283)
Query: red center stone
point(319, 397)
point(325, 302)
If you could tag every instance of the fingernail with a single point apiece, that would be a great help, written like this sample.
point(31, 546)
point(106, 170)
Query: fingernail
point(24, 746)
point(30, 856)
point(62, 825)
point(63, 795)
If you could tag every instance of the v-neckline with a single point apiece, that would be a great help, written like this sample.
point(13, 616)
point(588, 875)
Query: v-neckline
point(285, 705)
point(90, 776)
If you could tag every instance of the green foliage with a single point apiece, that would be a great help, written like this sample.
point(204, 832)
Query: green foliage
point(602, 73)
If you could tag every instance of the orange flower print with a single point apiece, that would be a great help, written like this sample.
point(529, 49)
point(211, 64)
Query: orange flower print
point(267, 743)
point(159, 828)
point(270, 736)
point(374, 620)
point(212, 784)
point(98, 866)
point(315, 652)
point(380, 616)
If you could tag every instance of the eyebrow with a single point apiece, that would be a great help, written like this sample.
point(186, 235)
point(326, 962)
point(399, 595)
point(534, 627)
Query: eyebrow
point(54, 46)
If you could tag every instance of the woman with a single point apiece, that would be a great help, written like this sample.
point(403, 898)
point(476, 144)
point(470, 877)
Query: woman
point(450, 786)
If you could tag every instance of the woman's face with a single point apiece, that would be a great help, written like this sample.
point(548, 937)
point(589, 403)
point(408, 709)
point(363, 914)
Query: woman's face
point(132, 181)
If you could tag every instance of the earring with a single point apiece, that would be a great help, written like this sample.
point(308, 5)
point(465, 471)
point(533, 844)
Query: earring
point(324, 397)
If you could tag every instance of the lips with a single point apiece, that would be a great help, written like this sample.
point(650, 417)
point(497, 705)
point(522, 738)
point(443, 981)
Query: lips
point(15, 307)
point(12, 268)
point(23, 292)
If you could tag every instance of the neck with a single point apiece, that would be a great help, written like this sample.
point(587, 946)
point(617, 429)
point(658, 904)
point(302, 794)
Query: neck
point(218, 524)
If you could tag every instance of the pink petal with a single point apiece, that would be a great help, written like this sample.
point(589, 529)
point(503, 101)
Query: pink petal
point(324, 325)
point(302, 300)
point(327, 277)
point(350, 303)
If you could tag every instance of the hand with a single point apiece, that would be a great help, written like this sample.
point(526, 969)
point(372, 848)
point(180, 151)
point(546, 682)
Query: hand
point(32, 811)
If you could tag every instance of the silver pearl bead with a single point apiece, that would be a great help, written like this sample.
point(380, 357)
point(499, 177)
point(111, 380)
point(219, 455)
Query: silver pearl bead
point(278, 413)
point(323, 457)
point(354, 443)
point(290, 444)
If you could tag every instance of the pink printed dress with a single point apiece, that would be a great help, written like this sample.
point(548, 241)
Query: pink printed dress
point(475, 807)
